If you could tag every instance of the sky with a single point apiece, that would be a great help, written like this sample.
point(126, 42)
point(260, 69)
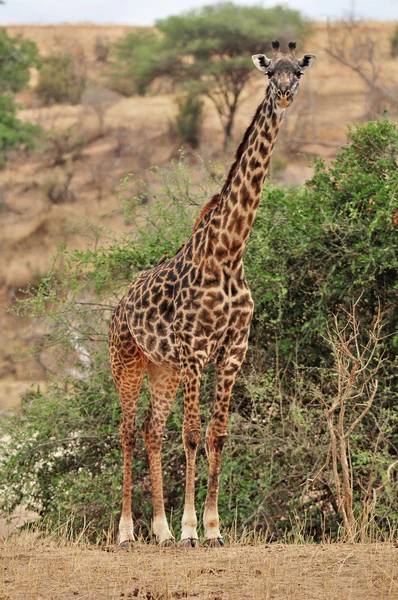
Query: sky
point(145, 12)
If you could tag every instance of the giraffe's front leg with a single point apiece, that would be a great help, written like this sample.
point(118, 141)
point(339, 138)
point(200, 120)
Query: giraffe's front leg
point(163, 384)
point(191, 438)
point(216, 436)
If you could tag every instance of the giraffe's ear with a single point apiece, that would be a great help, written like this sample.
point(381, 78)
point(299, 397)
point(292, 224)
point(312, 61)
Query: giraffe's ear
point(262, 62)
point(306, 62)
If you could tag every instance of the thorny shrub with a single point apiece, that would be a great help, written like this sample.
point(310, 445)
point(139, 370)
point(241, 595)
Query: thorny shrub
point(313, 251)
point(62, 79)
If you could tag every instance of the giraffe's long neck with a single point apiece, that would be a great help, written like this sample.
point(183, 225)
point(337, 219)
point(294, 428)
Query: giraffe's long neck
point(230, 225)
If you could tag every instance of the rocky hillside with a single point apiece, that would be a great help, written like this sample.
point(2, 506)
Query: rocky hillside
point(74, 174)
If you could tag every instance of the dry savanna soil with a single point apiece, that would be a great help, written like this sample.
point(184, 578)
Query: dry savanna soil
point(33, 569)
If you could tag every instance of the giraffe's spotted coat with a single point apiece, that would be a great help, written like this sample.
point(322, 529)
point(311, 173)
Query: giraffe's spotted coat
point(192, 310)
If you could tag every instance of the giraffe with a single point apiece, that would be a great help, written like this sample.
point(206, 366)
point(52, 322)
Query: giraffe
point(195, 309)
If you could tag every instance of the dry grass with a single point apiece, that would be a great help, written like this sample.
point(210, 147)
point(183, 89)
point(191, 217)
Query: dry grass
point(33, 568)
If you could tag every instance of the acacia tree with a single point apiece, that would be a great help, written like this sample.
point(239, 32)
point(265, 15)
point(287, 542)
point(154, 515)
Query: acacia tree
point(205, 50)
point(210, 49)
point(133, 66)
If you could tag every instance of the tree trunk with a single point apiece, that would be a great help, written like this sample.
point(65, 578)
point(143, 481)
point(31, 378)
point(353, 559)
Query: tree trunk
point(228, 127)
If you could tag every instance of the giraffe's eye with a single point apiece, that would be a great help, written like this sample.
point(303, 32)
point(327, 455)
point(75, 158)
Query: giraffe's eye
point(298, 74)
point(269, 73)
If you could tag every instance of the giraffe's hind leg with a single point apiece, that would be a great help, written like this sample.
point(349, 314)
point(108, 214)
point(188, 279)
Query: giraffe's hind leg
point(191, 435)
point(163, 384)
point(128, 367)
point(216, 436)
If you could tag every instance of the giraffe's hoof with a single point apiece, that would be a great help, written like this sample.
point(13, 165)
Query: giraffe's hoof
point(168, 544)
point(127, 545)
point(188, 543)
point(215, 543)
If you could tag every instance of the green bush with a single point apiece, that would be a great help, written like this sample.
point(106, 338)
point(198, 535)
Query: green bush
point(312, 251)
point(60, 80)
point(189, 120)
point(101, 50)
point(340, 244)
point(394, 43)
point(17, 57)
point(13, 132)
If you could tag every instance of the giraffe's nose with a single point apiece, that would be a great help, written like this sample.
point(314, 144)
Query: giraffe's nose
point(286, 94)
point(284, 98)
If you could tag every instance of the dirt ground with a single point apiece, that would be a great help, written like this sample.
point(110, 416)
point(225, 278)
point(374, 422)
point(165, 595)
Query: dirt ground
point(31, 569)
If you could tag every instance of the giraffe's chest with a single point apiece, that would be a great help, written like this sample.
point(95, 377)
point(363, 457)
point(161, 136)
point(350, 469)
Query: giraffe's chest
point(211, 316)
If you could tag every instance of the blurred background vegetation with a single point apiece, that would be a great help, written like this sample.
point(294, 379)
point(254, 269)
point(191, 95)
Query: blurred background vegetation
point(84, 107)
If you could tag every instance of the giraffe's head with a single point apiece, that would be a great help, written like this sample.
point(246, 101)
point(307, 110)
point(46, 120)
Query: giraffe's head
point(284, 71)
